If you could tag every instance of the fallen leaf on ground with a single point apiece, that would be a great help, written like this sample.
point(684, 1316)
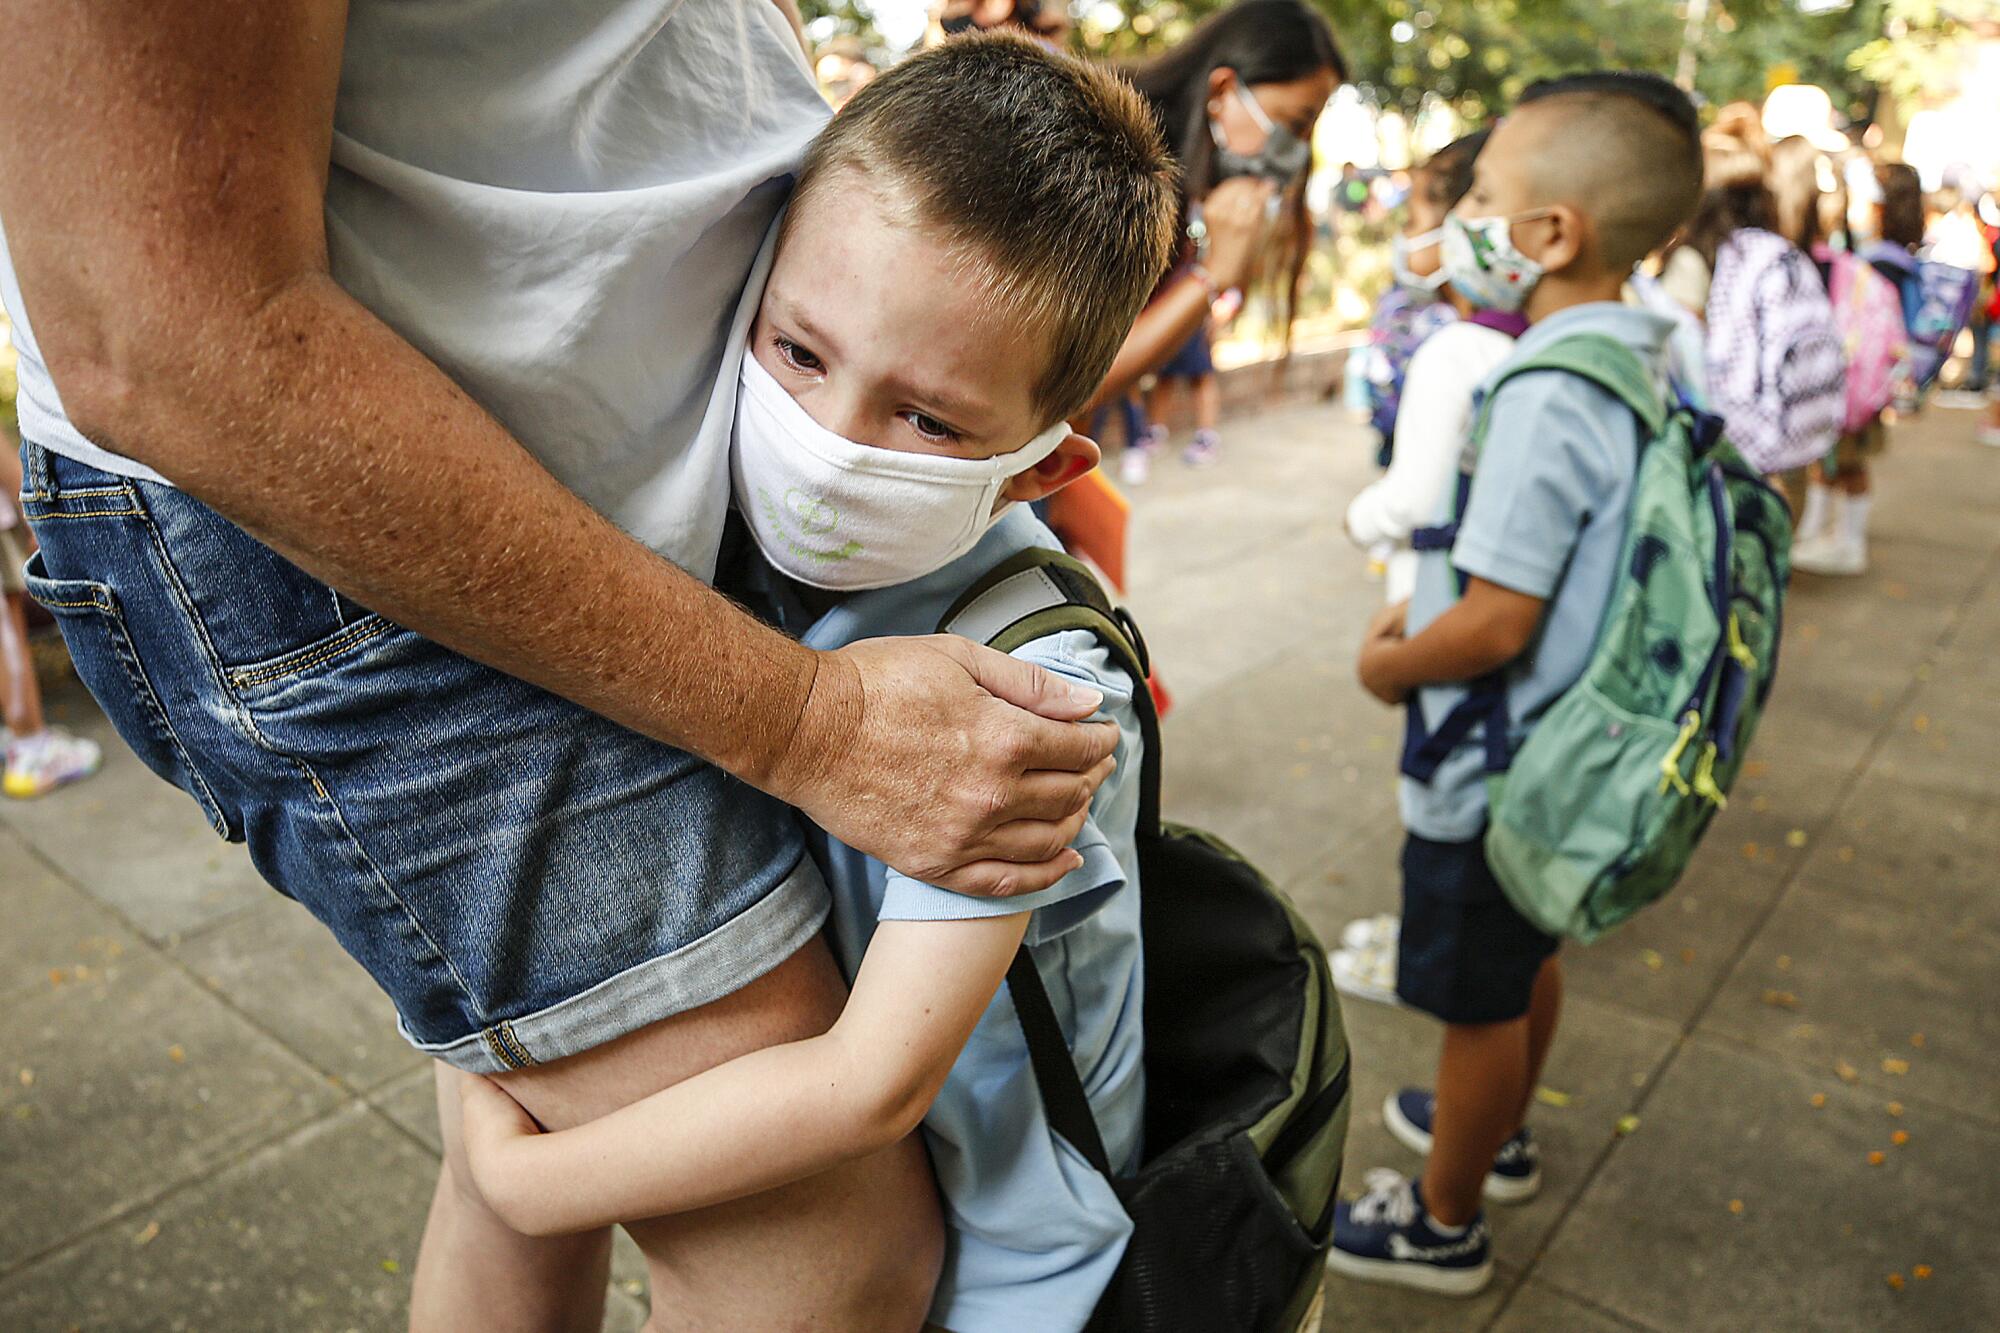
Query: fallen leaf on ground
point(55, 976)
point(1736, 1206)
point(1895, 1280)
point(1891, 1065)
point(1781, 999)
point(1760, 803)
point(1894, 1108)
point(1921, 722)
point(1796, 838)
point(1877, 1157)
point(146, 1234)
point(1627, 1124)
point(1900, 1137)
point(1550, 1097)
point(1803, 1030)
point(1917, 1040)
point(1818, 1100)
point(1652, 958)
point(1848, 1073)
point(1784, 962)
point(177, 1055)
point(1845, 853)
point(1749, 851)
point(1756, 768)
point(1687, 956)
point(1921, 1271)
point(27, 1078)
point(391, 1266)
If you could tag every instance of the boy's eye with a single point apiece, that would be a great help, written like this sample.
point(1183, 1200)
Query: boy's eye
point(929, 426)
point(795, 356)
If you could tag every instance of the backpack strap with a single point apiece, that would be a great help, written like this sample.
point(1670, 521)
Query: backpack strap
point(1613, 367)
point(1029, 596)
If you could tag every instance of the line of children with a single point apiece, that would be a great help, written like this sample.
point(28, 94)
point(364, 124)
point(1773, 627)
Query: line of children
point(1584, 179)
point(883, 462)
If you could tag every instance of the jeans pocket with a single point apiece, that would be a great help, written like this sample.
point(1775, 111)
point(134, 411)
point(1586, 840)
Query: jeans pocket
point(93, 627)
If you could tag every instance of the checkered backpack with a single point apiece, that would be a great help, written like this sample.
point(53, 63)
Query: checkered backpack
point(1777, 372)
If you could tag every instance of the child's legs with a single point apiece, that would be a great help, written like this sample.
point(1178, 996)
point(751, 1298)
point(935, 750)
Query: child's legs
point(1544, 1011)
point(20, 697)
point(1207, 402)
point(1482, 1081)
point(1466, 956)
point(1160, 400)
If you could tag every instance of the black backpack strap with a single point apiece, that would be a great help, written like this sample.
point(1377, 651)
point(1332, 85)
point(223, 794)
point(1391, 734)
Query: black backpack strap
point(1030, 595)
point(1055, 1068)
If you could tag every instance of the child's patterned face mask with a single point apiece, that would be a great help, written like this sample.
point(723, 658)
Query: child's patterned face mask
point(1482, 265)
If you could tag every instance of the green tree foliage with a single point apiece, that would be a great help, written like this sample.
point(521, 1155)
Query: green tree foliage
point(1479, 54)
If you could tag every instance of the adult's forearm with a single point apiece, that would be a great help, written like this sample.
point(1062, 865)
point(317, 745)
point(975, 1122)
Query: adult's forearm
point(1156, 335)
point(313, 425)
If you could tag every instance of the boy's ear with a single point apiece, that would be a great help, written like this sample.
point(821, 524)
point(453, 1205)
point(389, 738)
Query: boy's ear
point(1076, 455)
point(1568, 238)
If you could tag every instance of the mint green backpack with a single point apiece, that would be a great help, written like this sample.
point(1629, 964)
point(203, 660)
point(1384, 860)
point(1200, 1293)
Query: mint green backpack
point(1597, 812)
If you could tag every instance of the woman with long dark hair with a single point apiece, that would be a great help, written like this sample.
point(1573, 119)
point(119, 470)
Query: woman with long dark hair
point(1237, 101)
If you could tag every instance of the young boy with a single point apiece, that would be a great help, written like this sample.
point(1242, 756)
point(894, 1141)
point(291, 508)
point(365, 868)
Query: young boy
point(1572, 189)
point(986, 194)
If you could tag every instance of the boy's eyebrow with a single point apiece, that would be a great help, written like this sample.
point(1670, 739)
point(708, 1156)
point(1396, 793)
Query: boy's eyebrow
point(959, 410)
point(796, 317)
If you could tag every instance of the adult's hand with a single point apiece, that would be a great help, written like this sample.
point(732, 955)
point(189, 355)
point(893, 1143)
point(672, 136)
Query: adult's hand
point(162, 176)
point(920, 753)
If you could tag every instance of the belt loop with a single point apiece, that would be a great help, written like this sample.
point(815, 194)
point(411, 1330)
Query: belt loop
point(35, 479)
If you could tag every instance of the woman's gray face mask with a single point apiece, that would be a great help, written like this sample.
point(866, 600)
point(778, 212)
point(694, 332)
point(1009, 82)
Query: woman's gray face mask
point(1281, 159)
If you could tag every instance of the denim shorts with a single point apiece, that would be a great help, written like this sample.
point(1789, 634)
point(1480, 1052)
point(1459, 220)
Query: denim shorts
point(1464, 954)
point(525, 879)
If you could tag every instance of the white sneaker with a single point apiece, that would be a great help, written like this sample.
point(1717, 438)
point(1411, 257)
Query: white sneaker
point(1831, 556)
point(1367, 973)
point(1135, 464)
point(37, 765)
point(1988, 435)
point(1961, 399)
point(1382, 928)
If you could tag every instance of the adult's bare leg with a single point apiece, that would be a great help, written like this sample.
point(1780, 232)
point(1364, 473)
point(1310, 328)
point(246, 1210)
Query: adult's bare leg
point(859, 1247)
point(474, 1271)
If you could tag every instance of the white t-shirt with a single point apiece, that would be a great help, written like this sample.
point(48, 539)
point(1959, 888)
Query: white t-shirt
point(1432, 426)
point(561, 205)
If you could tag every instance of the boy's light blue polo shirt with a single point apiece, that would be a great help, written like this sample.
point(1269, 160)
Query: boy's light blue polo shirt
point(1035, 1232)
point(1546, 517)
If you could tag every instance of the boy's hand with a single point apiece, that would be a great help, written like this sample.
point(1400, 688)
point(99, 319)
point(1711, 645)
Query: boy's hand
point(1378, 647)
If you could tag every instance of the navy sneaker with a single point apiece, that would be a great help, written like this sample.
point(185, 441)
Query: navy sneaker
point(1386, 1235)
point(1516, 1176)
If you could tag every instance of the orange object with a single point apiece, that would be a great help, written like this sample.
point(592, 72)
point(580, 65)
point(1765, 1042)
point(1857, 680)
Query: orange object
point(1091, 517)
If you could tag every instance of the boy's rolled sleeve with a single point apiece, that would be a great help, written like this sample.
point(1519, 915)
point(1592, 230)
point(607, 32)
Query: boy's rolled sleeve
point(1545, 466)
point(1075, 655)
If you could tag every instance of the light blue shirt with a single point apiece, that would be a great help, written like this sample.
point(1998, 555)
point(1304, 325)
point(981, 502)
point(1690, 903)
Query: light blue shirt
point(1035, 1232)
point(1545, 517)
point(563, 206)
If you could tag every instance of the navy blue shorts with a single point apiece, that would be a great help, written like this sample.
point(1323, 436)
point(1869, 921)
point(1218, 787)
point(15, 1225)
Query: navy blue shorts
point(1192, 361)
point(1465, 955)
point(525, 879)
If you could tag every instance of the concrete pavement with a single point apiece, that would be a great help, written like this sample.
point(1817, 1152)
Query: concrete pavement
point(208, 1122)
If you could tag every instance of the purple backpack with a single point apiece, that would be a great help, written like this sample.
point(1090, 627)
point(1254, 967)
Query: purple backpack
point(1777, 370)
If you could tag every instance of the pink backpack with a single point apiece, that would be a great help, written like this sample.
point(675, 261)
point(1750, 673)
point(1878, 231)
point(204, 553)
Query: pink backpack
point(1869, 314)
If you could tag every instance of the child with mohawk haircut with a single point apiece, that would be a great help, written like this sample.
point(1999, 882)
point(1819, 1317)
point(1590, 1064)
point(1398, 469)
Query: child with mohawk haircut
point(1587, 176)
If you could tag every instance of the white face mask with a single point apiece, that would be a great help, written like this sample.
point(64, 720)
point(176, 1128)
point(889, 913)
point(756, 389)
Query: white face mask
point(835, 514)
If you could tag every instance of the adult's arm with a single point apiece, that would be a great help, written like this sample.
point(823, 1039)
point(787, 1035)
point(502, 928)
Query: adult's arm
point(1236, 215)
point(162, 179)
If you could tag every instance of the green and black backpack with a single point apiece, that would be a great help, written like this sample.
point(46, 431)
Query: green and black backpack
point(1246, 1058)
point(1597, 812)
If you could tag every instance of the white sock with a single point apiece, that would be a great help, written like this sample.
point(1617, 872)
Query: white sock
point(1854, 519)
point(1819, 499)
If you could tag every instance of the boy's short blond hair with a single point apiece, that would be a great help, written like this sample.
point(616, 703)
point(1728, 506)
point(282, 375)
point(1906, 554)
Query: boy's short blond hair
point(1048, 177)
